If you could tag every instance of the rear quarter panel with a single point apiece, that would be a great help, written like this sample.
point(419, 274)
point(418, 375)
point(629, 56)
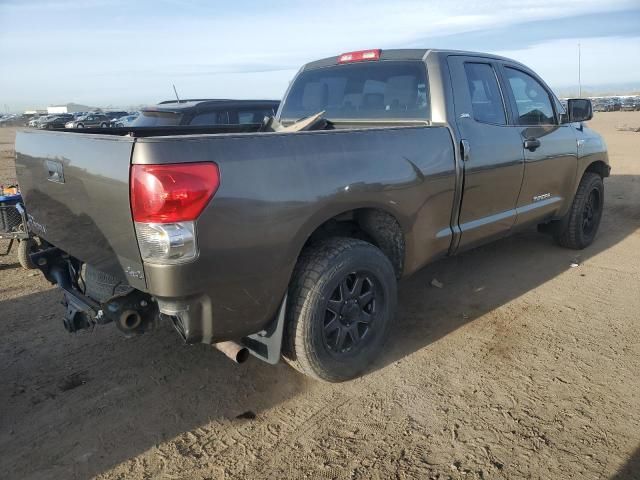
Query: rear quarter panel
point(276, 189)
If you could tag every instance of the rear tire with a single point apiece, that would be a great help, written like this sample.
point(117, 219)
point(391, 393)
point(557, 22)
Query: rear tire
point(25, 247)
point(103, 125)
point(578, 229)
point(342, 299)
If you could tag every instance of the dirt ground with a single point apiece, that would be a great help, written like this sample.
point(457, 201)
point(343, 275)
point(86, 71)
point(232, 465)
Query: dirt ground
point(520, 366)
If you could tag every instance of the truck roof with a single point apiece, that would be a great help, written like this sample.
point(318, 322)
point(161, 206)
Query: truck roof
point(405, 54)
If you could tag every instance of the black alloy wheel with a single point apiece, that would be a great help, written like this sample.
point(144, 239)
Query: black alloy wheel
point(351, 313)
point(591, 213)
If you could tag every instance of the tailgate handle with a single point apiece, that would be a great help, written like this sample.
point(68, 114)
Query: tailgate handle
point(55, 171)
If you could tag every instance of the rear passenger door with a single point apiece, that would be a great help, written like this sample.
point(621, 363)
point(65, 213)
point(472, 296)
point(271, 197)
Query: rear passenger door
point(493, 159)
point(550, 148)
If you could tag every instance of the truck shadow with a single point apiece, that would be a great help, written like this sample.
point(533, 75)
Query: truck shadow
point(630, 470)
point(75, 406)
point(479, 281)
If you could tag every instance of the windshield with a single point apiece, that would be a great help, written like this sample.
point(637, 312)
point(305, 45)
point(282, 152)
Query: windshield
point(371, 90)
point(157, 119)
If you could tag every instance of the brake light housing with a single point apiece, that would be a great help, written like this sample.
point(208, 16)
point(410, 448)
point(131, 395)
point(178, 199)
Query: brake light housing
point(166, 200)
point(172, 192)
point(359, 56)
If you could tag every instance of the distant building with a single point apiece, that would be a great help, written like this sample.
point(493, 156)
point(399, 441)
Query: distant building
point(68, 108)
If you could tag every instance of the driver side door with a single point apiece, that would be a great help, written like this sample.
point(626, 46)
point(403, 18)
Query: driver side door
point(549, 147)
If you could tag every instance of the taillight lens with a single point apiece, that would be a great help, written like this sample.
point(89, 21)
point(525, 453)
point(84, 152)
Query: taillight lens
point(167, 243)
point(165, 201)
point(173, 192)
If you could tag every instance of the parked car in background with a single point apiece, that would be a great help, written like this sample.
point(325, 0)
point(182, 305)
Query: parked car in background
point(616, 104)
point(292, 243)
point(629, 104)
point(91, 120)
point(114, 115)
point(9, 119)
point(40, 119)
point(206, 112)
point(124, 121)
point(58, 121)
point(603, 105)
point(35, 119)
point(598, 106)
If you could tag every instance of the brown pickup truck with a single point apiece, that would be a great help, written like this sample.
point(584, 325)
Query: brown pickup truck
point(287, 237)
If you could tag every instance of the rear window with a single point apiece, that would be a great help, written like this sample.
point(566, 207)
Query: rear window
point(157, 119)
point(371, 90)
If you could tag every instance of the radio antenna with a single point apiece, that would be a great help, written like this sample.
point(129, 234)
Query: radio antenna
point(176, 92)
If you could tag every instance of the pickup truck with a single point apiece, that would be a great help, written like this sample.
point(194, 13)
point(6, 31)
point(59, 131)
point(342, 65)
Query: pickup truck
point(286, 238)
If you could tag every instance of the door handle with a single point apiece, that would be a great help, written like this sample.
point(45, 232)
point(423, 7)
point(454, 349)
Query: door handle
point(531, 144)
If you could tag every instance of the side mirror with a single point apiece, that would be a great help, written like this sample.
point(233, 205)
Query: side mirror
point(580, 110)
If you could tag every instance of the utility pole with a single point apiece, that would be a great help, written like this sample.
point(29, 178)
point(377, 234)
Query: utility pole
point(579, 74)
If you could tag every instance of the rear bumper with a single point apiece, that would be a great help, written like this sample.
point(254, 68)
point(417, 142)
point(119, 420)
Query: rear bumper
point(132, 311)
point(193, 316)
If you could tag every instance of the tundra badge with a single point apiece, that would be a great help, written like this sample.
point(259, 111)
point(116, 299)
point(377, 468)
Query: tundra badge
point(542, 196)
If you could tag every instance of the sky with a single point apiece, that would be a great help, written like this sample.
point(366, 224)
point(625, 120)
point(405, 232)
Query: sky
point(121, 53)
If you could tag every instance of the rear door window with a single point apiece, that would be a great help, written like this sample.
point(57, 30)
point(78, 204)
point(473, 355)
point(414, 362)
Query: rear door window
point(486, 100)
point(368, 90)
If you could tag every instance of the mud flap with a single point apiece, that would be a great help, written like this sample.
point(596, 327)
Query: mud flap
point(267, 344)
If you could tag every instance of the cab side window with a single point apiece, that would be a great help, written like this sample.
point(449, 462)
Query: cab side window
point(210, 118)
point(532, 99)
point(486, 99)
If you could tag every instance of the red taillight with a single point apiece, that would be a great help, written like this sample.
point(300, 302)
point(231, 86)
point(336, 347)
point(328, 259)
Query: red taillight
point(176, 192)
point(360, 56)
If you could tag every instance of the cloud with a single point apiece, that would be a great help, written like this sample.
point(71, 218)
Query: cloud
point(122, 51)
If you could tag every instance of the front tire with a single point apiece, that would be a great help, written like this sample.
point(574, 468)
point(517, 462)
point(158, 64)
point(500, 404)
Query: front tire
point(579, 228)
point(103, 125)
point(80, 125)
point(342, 299)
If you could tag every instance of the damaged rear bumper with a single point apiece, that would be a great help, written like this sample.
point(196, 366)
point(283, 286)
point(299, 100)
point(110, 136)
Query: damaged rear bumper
point(135, 312)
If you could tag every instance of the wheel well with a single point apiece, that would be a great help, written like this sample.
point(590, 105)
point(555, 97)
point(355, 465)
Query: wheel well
point(598, 167)
point(371, 225)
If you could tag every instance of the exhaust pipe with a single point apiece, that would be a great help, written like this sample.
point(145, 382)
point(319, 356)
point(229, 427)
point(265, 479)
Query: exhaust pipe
point(233, 350)
point(129, 320)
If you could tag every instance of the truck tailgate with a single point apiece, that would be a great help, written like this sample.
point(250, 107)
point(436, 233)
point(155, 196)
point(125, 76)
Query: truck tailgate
point(76, 192)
